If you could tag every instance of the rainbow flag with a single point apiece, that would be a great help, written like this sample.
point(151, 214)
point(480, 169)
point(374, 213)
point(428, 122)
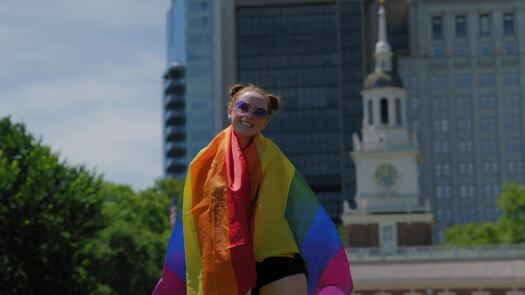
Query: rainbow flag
point(248, 206)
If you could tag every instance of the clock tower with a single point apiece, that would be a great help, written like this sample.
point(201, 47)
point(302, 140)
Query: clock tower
point(390, 210)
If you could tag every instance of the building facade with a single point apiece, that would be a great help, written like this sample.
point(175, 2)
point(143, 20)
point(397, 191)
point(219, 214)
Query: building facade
point(390, 210)
point(465, 83)
point(174, 119)
point(498, 270)
point(311, 52)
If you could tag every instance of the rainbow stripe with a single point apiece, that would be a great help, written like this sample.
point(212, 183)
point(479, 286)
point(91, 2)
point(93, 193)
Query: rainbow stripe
point(248, 209)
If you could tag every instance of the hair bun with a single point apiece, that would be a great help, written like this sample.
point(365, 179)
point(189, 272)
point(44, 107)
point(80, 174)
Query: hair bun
point(235, 89)
point(274, 102)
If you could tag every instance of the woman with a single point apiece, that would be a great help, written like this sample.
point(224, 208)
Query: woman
point(249, 222)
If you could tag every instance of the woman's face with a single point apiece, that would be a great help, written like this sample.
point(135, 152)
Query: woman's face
point(248, 114)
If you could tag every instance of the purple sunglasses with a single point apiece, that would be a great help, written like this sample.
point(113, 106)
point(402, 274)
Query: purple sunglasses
point(245, 107)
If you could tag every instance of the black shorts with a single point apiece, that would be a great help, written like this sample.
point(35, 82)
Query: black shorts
point(272, 269)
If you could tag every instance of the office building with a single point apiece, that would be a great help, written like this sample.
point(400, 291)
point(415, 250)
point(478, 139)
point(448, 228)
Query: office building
point(465, 83)
point(390, 211)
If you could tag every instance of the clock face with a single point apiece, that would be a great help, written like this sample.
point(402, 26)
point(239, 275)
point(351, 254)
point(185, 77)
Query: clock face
point(386, 175)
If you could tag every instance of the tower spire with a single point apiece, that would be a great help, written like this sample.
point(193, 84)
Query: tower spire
point(383, 54)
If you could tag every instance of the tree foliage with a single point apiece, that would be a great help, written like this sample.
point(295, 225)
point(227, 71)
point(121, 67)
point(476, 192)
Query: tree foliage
point(48, 212)
point(65, 230)
point(130, 249)
point(510, 228)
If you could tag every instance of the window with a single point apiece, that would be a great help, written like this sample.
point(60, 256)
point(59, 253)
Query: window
point(460, 26)
point(490, 167)
point(384, 111)
point(442, 170)
point(489, 146)
point(514, 145)
point(485, 49)
point(512, 123)
point(464, 103)
point(492, 214)
point(467, 191)
point(516, 167)
point(484, 25)
point(488, 125)
point(439, 83)
point(438, 50)
point(444, 215)
point(387, 233)
point(370, 112)
point(511, 79)
point(468, 215)
point(465, 146)
point(437, 28)
point(461, 49)
point(509, 48)
point(441, 125)
point(465, 124)
point(440, 147)
point(446, 172)
point(443, 192)
point(512, 102)
point(439, 104)
point(463, 80)
point(508, 24)
point(466, 168)
point(488, 102)
point(487, 80)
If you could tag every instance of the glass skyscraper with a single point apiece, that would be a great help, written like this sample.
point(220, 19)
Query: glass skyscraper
point(312, 55)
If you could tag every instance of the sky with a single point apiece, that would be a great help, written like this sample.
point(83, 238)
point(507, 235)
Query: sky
point(86, 77)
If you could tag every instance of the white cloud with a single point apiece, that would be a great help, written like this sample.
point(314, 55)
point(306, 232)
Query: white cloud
point(86, 76)
point(124, 13)
point(110, 119)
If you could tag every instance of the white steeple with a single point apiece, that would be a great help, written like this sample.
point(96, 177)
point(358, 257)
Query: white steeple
point(383, 54)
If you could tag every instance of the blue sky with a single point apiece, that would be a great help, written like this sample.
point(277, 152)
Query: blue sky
point(86, 77)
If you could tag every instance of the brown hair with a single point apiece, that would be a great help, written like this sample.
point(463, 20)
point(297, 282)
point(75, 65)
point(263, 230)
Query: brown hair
point(274, 102)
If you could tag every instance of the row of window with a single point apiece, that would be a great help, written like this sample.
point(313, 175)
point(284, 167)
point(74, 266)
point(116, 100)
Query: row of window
point(487, 125)
point(444, 216)
point(461, 26)
point(466, 103)
point(293, 24)
point(468, 191)
point(287, 44)
point(439, 83)
point(485, 49)
point(291, 77)
point(512, 146)
point(468, 168)
point(287, 61)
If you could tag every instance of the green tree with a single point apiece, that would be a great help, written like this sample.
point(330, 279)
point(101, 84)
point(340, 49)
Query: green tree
point(65, 230)
point(48, 211)
point(510, 228)
point(130, 249)
point(512, 206)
